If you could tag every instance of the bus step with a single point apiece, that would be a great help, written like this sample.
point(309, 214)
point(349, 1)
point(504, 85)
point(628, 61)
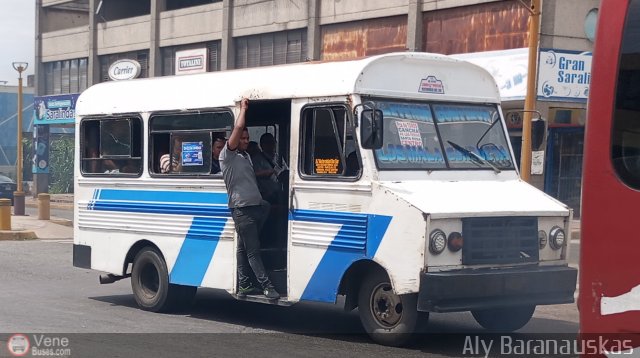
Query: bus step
point(282, 301)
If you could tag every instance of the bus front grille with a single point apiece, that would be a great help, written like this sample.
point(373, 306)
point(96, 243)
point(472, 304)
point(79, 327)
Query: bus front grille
point(500, 240)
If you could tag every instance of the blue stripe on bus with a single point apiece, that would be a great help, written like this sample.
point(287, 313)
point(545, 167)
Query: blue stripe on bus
point(197, 251)
point(194, 197)
point(358, 238)
point(199, 245)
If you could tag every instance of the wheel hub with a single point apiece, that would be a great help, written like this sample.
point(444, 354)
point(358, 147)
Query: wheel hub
point(149, 280)
point(385, 305)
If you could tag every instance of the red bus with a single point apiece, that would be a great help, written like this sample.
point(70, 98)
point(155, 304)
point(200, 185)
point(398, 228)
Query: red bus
point(609, 286)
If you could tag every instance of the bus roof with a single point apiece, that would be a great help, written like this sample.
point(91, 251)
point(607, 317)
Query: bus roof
point(419, 76)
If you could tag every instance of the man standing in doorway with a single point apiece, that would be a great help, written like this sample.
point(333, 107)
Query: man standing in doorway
point(248, 210)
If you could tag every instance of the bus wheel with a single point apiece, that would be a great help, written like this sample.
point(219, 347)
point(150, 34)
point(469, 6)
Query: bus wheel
point(150, 284)
point(505, 319)
point(388, 318)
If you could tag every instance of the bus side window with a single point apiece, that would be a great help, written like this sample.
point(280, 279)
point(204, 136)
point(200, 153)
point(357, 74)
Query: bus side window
point(182, 143)
point(329, 148)
point(111, 146)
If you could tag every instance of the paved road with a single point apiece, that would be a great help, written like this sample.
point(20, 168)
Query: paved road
point(42, 293)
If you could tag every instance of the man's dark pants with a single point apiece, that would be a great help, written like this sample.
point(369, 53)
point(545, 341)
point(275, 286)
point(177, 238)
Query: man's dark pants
point(249, 221)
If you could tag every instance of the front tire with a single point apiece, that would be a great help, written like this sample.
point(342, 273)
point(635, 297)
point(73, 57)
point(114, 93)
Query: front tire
point(388, 318)
point(506, 319)
point(150, 284)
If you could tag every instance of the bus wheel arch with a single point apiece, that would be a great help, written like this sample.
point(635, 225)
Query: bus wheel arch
point(352, 279)
point(150, 281)
point(388, 318)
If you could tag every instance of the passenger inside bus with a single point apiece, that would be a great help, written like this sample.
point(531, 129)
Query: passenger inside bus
point(216, 148)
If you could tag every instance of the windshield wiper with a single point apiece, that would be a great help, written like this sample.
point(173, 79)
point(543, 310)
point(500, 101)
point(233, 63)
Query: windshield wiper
point(474, 157)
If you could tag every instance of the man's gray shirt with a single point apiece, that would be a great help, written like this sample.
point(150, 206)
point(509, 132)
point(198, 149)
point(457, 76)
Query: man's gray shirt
point(239, 178)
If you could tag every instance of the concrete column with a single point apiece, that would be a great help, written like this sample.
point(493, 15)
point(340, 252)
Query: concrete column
point(314, 41)
point(414, 26)
point(227, 58)
point(93, 75)
point(155, 57)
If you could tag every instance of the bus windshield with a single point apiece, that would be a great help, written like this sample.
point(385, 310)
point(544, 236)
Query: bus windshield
point(434, 136)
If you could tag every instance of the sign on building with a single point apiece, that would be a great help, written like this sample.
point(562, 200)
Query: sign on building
point(191, 61)
point(124, 70)
point(57, 109)
point(564, 75)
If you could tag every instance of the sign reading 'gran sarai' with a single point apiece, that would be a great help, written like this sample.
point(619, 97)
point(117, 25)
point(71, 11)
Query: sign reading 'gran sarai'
point(124, 70)
point(564, 75)
point(58, 109)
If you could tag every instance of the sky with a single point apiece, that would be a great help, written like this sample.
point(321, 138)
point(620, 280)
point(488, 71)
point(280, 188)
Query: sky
point(17, 38)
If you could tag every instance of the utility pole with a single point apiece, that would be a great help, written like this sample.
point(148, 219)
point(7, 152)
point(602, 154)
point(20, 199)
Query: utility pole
point(530, 99)
point(18, 195)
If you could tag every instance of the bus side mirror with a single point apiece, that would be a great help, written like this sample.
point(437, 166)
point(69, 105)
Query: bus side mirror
point(371, 128)
point(538, 133)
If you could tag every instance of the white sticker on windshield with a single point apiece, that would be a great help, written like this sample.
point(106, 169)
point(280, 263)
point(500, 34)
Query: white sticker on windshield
point(409, 134)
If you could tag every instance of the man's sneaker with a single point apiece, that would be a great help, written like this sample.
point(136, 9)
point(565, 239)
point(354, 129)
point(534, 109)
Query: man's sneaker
point(251, 290)
point(271, 293)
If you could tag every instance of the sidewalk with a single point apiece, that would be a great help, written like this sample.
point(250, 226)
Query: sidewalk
point(26, 227)
point(29, 227)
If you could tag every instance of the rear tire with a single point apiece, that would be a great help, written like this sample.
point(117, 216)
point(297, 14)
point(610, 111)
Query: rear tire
point(506, 319)
point(150, 284)
point(388, 318)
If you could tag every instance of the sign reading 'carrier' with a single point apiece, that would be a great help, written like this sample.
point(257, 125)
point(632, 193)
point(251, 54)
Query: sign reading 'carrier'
point(124, 70)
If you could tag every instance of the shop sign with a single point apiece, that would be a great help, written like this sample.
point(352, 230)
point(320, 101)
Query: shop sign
point(124, 70)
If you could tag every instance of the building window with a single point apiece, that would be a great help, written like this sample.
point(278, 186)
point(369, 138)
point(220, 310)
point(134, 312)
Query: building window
point(107, 60)
point(68, 76)
point(329, 147)
point(111, 146)
point(183, 144)
point(169, 56)
point(180, 4)
point(271, 49)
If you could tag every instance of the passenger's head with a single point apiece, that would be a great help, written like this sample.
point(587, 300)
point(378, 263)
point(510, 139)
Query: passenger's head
point(252, 148)
point(268, 143)
point(244, 140)
point(216, 148)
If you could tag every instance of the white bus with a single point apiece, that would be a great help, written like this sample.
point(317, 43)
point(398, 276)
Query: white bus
point(402, 193)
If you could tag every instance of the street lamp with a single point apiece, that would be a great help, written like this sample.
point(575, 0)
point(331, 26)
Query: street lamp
point(18, 196)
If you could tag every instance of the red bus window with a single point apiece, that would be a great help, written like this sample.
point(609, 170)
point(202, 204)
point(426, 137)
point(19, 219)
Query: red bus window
point(625, 149)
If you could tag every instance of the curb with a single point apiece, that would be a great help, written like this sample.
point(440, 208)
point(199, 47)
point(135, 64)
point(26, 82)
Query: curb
point(17, 235)
point(63, 222)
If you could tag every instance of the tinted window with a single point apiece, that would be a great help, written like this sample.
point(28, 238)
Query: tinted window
point(626, 125)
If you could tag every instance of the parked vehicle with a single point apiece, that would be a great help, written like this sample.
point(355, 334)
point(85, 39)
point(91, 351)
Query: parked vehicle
point(7, 188)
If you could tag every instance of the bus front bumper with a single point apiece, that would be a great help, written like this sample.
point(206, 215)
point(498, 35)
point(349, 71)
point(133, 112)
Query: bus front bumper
point(465, 290)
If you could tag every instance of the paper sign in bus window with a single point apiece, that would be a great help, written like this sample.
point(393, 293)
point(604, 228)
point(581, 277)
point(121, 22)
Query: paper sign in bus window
point(192, 153)
point(327, 166)
point(409, 133)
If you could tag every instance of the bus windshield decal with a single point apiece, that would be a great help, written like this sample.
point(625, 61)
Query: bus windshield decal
point(417, 136)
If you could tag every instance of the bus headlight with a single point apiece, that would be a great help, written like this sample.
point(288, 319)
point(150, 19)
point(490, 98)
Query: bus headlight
point(455, 241)
point(557, 238)
point(437, 241)
point(542, 239)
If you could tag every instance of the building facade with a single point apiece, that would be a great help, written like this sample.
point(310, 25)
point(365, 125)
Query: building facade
point(78, 40)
